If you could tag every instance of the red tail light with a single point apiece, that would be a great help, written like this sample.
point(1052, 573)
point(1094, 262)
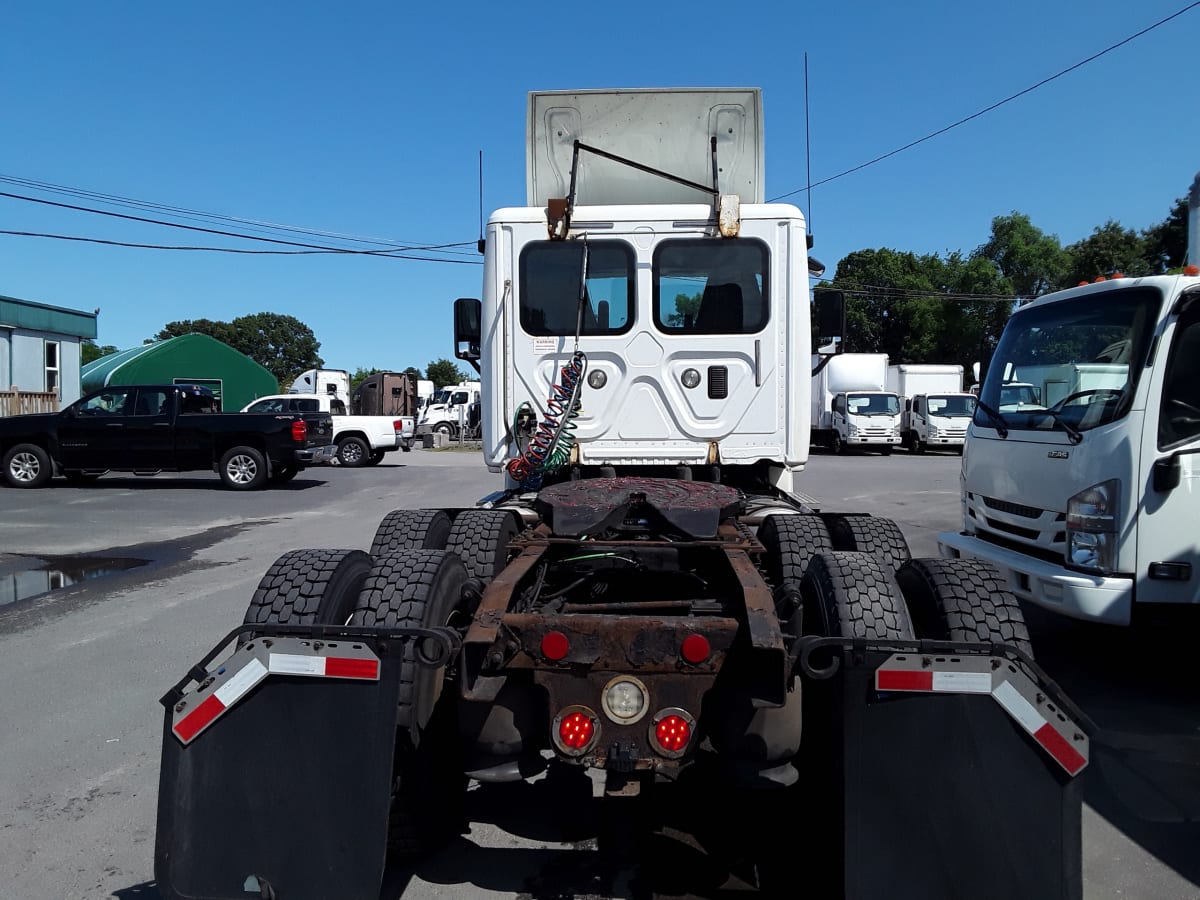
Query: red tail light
point(300, 431)
point(576, 730)
point(673, 733)
point(695, 648)
point(398, 426)
point(555, 645)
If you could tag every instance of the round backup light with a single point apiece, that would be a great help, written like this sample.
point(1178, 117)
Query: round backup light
point(625, 700)
point(576, 731)
point(597, 379)
point(690, 378)
point(695, 648)
point(672, 733)
point(555, 645)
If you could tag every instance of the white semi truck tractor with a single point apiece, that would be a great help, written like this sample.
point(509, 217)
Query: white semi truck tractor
point(643, 613)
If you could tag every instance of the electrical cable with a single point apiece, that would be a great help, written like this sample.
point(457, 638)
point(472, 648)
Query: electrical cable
point(994, 106)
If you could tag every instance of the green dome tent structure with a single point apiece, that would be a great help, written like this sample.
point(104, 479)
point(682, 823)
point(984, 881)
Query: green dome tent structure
point(233, 377)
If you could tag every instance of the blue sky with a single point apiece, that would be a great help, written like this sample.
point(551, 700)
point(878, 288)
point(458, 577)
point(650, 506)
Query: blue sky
point(367, 119)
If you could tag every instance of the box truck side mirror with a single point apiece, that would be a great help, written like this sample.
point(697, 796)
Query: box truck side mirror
point(831, 316)
point(467, 329)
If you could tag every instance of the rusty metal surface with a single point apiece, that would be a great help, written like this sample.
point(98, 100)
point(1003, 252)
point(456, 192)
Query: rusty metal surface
point(693, 508)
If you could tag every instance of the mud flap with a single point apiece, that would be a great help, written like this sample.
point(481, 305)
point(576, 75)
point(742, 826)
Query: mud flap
point(276, 773)
point(959, 790)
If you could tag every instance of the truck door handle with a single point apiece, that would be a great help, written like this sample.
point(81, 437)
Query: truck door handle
point(162, 424)
point(114, 424)
point(758, 363)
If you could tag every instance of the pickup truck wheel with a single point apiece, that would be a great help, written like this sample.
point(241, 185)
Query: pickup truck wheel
point(481, 537)
point(962, 600)
point(309, 587)
point(415, 588)
point(375, 458)
point(353, 452)
point(27, 466)
point(411, 529)
point(243, 469)
point(869, 534)
point(851, 595)
point(791, 541)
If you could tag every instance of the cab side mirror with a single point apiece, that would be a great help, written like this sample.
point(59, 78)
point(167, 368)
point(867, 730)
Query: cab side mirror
point(1167, 474)
point(831, 316)
point(467, 329)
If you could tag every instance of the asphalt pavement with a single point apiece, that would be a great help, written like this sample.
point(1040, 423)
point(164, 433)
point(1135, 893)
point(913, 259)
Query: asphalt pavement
point(155, 569)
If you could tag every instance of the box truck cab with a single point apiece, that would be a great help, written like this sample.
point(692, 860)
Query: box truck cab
point(335, 382)
point(936, 409)
point(1088, 500)
point(851, 404)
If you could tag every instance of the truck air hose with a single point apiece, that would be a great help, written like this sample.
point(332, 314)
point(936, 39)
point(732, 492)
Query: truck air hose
point(550, 446)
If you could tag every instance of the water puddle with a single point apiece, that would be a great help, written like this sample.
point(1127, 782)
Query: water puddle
point(59, 572)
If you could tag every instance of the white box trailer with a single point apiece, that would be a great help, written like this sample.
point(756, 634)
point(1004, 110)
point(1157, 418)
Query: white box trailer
point(937, 410)
point(852, 405)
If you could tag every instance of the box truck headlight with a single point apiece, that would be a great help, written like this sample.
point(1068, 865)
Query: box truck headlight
point(1092, 528)
point(933, 430)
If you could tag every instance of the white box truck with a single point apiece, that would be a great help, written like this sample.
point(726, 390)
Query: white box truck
point(1088, 501)
point(936, 408)
point(852, 405)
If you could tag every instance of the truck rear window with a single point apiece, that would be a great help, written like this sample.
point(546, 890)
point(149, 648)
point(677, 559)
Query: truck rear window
point(705, 286)
point(549, 287)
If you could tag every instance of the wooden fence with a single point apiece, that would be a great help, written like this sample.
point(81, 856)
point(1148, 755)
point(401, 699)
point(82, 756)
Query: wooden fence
point(14, 402)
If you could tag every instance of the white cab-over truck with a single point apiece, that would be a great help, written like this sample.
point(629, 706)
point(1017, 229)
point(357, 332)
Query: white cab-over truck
point(360, 440)
point(852, 406)
point(1089, 502)
point(452, 410)
point(644, 606)
point(936, 410)
point(323, 381)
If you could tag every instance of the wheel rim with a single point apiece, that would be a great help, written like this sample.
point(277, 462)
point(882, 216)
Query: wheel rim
point(242, 469)
point(351, 453)
point(25, 467)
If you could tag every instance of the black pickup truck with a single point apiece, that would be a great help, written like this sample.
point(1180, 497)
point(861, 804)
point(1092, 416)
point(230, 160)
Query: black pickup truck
point(151, 428)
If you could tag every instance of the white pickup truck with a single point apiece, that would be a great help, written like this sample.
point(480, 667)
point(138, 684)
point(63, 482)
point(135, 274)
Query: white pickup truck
point(360, 440)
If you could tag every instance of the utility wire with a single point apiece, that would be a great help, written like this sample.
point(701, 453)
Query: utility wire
point(247, 237)
point(92, 240)
point(184, 212)
point(963, 121)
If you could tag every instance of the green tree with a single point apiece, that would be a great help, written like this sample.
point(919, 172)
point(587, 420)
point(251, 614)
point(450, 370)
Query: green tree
point(415, 372)
point(1108, 250)
point(90, 352)
point(443, 372)
point(360, 375)
point(1166, 242)
point(1032, 262)
point(686, 308)
point(282, 344)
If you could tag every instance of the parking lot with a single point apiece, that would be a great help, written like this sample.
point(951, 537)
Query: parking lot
point(154, 570)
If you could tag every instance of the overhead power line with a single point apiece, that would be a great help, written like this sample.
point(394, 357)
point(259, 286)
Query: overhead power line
point(396, 253)
point(192, 214)
point(92, 240)
point(988, 109)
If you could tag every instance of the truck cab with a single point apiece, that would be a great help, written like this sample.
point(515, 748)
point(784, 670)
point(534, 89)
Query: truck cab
point(451, 411)
point(936, 421)
point(1087, 500)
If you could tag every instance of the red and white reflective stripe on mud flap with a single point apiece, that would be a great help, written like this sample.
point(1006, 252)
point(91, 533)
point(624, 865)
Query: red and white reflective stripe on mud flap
point(361, 666)
point(323, 666)
point(987, 675)
point(220, 700)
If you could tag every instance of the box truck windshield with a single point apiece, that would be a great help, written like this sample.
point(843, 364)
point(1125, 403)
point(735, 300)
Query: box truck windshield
point(873, 404)
point(953, 407)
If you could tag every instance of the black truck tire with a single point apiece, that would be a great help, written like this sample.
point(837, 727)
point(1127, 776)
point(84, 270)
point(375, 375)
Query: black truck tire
point(481, 537)
point(791, 541)
point(420, 587)
point(869, 534)
point(242, 469)
point(962, 600)
point(376, 457)
point(353, 452)
point(27, 466)
point(852, 595)
point(309, 587)
point(411, 529)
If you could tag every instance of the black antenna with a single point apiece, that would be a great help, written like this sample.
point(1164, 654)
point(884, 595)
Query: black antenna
point(481, 243)
point(807, 147)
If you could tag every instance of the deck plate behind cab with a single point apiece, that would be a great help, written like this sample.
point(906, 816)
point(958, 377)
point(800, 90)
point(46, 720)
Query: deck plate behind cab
point(588, 506)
